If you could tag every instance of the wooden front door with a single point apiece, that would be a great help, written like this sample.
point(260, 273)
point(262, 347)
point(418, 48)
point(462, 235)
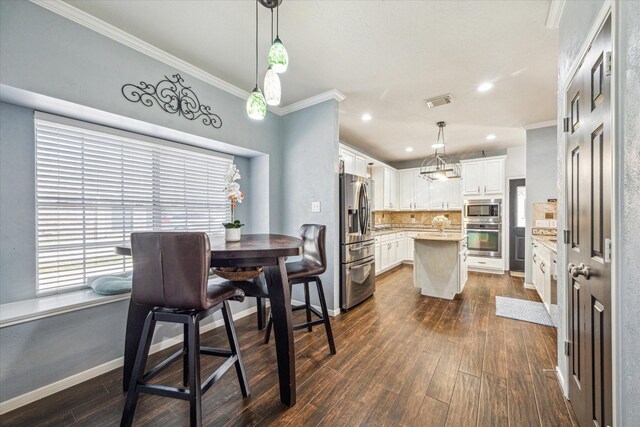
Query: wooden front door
point(589, 222)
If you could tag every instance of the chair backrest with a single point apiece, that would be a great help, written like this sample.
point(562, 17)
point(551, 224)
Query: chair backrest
point(170, 269)
point(313, 249)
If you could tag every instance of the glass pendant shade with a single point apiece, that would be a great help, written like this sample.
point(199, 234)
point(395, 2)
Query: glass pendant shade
point(256, 105)
point(278, 58)
point(272, 91)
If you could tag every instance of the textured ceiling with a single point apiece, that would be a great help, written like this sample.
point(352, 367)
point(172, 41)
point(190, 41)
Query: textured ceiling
point(385, 56)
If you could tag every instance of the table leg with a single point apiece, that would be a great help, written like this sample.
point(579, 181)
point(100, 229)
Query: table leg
point(135, 323)
point(280, 297)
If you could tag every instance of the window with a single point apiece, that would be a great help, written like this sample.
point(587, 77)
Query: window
point(521, 193)
point(96, 185)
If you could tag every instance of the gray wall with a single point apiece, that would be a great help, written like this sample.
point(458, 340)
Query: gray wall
point(541, 178)
point(311, 175)
point(577, 19)
point(45, 54)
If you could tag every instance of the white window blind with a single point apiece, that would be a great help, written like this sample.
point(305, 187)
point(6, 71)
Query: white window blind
point(94, 188)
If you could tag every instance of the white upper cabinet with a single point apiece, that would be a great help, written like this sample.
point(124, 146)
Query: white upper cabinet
point(354, 163)
point(405, 189)
point(361, 166)
point(420, 191)
point(494, 176)
point(445, 195)
point(454, 194)
point(413, 191)
point(437, 195)
point(483, 176)
point(472, 176)
point(385, 188)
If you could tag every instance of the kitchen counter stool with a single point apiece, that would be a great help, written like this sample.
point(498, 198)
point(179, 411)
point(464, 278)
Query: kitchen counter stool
point(170, 272)
point(305, 271)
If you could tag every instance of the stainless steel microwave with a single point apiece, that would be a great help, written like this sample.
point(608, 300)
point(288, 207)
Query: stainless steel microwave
point(483, 210)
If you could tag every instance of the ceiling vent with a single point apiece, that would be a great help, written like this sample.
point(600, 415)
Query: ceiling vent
point(437, 101)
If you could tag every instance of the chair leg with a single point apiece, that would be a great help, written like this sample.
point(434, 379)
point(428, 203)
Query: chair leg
point(260, 311)
point(185, 356)
point(195, 386)
point(267, 333)
point(138, 371)
point(235, 348)
point(325, 314)
point(307, 303)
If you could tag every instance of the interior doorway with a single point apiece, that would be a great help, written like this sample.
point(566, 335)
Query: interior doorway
point(517, 223)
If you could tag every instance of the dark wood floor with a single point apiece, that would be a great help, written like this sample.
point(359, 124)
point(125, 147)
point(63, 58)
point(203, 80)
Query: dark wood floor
point(403, 359)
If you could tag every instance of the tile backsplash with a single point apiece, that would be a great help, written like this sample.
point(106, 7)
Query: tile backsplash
point(418, 217)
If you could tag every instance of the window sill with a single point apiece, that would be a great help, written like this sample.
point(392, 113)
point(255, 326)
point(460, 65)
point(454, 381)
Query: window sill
point(18, 312)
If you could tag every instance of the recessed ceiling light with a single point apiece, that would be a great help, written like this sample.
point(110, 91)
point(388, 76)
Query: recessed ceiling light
point(491, 137)
point(408, 149)
point(485, 87)
point(366, 117)
point(437, 145)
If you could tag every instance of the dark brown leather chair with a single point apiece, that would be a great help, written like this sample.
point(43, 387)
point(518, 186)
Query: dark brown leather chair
point(170, 272)
point(309, 269)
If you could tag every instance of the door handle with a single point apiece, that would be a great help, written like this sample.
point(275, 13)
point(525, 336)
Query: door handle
point(580, 270)
point(485, 188)
point(478, 189)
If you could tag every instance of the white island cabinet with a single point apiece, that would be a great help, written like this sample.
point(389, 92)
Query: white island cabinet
point(439, 264)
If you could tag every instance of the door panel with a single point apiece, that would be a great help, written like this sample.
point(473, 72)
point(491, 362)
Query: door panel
point(590, 186)
point(493, 177)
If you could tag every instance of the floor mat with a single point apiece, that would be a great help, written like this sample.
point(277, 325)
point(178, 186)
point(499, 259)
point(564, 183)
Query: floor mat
point(527, 311)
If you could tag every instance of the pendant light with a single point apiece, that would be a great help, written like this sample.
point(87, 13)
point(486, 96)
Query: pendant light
point(278, 57)
point(256, 104)
point(272, 89)
point(437, 166)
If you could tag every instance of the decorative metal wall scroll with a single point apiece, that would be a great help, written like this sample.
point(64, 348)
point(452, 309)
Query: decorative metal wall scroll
point(173, 97)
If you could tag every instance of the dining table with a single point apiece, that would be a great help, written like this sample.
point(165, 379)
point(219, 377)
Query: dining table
point(266, 250)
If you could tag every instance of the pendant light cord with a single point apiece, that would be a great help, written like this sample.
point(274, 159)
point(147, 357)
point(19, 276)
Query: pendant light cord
point(277, 21)
point(256, 43)
point(271, 26)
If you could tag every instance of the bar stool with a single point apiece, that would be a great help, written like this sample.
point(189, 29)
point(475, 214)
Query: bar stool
point(309, 269)
point(170, 272)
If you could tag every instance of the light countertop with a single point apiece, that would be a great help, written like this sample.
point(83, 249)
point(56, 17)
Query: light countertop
point(416, 229)
point(448, 237)
point(547, 242)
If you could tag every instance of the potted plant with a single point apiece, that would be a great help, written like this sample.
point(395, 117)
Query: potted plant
point(234, 195)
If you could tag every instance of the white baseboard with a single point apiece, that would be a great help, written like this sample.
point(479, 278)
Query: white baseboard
point(529, 285)
point(332, 313)
point(47, 390)
point(486, 270)
point(565, 392)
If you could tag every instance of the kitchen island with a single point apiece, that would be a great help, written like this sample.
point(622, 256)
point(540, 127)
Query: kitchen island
point(440, 264)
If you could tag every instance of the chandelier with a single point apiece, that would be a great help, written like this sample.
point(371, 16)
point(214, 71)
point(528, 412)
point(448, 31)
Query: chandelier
point(438, 167)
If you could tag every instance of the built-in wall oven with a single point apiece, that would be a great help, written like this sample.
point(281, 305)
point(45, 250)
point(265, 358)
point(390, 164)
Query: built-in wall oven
point(483, 210)
point(484, 239)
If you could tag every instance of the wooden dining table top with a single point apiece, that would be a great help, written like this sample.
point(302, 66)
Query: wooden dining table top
point(249, 246)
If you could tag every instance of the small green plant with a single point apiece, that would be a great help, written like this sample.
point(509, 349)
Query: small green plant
point(234, 224)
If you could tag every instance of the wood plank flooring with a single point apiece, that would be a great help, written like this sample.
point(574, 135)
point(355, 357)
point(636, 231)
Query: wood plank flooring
point(403, 359)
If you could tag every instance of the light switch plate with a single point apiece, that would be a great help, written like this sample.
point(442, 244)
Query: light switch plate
point(315, 206)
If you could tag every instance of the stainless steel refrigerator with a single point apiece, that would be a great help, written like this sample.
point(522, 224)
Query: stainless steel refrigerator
point(357, 240)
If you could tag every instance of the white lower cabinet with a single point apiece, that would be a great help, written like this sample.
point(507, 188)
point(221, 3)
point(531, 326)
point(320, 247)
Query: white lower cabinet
point(390, 250)
point(541, 274)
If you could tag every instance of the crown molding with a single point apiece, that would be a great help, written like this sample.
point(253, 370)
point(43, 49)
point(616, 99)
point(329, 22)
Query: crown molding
point(316, 99)
point(541, 125)
point(87, 20)
point(554, 14)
